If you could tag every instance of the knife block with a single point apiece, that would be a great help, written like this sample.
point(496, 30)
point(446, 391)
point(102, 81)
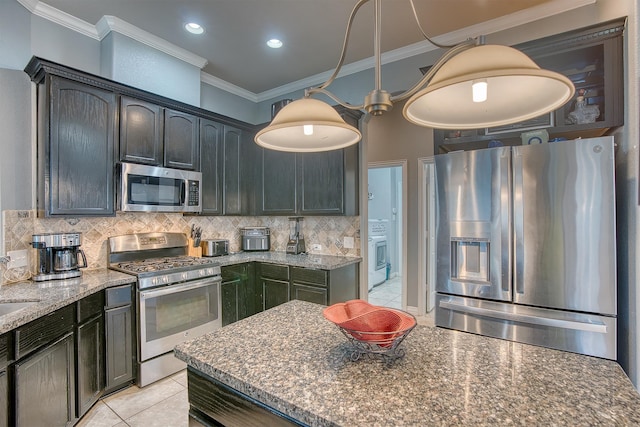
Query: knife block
point(197, 252)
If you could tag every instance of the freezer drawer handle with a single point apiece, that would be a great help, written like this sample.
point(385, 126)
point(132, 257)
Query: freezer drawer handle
point(525, 318)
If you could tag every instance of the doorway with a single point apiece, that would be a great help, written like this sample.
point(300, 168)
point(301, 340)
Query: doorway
point(386, 199)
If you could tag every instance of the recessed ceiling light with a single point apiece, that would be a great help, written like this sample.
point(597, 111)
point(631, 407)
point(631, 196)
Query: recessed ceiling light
point(194, 28)
point(274, 43)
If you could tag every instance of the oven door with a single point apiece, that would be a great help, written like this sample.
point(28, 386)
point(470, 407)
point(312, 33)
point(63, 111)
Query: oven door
point(176, 313)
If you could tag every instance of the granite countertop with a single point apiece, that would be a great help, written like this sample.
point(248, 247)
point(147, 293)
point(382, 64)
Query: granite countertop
point(54, 294)
point(292, 359)
point(322, 262)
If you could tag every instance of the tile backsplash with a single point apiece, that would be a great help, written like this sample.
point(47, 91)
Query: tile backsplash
point(329, 232)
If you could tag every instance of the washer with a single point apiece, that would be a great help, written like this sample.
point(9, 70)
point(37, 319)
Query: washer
point(377, 252)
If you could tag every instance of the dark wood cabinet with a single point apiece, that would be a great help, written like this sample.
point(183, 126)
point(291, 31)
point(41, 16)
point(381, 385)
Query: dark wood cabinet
point(232, 171)
point(89, 335)
point(90, 378)
point(211, 166)
point(50, 402)
point(239, 294)
point(181, 144)
point(275, 186)
point(76, 148)
point(4, 383)
point(226, 163)
point(274, 284)
point(325, 286)
point(322, 183)
point(592, 58)
point(119, 337)
point(141, 132)
point(153, 135)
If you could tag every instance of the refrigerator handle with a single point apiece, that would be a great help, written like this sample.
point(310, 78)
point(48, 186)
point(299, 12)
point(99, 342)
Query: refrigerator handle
point(505, 220)
point(595, 326)
point(518, 222)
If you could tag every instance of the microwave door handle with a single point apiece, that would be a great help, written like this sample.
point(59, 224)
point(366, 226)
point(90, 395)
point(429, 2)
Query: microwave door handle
point(183, 186)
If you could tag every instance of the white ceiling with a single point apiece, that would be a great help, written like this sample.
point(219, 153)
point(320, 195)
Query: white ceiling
point(233, 44)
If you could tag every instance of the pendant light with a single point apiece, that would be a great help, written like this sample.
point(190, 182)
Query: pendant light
point(471, 86)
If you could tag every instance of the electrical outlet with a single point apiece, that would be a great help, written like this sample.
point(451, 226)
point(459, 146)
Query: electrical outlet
point(18, 259)
point(316, 247)
point(348, 242)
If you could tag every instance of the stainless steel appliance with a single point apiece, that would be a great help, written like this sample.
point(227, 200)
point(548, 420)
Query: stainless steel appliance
point(255, 238)
point(214, 247)
point(526, 244)
point(144, 188)
point(58, 256)
point(178, 297)
point(296, 237)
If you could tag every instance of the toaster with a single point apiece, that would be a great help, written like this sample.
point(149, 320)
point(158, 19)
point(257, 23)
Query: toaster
point(214, 247)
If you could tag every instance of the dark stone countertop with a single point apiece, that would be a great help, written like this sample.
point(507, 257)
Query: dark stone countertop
point(292, 359)
point(322, 262)
point(54, 294)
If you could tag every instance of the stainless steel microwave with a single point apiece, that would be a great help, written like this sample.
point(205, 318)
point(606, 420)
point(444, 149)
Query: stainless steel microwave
point(143, 188)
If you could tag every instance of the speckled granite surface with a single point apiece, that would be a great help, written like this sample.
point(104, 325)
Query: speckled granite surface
point(291, 358)
point(323, 262)
point(52, 295)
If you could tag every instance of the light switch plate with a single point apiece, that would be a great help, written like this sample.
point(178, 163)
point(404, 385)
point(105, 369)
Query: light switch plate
point(18, 259)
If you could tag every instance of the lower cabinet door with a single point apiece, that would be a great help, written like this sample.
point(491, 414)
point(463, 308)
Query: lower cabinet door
point(275, 292)
point(45, 386)
point(4, 399)
point(90, 363)
point(119, 343)
point(309, 293)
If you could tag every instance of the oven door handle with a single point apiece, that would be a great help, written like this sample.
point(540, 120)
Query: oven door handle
point(172, 289)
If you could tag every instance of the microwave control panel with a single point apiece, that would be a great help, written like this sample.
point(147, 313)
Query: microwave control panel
point(194, 193)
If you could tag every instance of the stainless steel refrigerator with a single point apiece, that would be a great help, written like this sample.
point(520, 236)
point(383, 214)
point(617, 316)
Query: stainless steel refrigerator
point(526, 244)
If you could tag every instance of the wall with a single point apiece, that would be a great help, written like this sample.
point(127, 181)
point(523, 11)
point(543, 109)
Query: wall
point(130, 62)
point(20, 225)
point(392, 138)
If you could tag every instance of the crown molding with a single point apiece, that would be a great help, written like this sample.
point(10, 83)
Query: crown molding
point(111, 23)
point(59, 17)
point(228, 87)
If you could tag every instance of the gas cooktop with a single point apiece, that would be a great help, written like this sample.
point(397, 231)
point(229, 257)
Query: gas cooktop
point(161, 264)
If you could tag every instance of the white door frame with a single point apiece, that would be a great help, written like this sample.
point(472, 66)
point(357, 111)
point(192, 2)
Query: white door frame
point(426, 234)
point(403, 269)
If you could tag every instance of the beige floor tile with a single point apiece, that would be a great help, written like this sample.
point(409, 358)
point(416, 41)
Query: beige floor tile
point(180, 377)
point(173, 411)
point(100, 416)
point(132, 400)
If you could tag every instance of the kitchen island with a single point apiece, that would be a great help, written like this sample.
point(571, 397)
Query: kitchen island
point(289, 362)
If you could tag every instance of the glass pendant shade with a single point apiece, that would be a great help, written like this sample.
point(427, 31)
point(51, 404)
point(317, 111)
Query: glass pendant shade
point(307, 125)
point(516, 90)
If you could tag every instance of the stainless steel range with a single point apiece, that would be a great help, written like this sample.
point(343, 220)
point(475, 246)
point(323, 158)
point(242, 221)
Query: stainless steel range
point(178, 297)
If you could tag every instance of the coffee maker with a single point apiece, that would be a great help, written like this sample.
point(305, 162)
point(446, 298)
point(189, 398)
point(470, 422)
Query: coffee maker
point(296, 238)
point(58, 255)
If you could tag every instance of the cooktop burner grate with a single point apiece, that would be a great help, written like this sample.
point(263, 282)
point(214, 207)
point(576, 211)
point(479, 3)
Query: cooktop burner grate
point(161, 264)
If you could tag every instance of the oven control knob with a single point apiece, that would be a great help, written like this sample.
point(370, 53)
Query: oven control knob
point(202, 272)
point(210, 271)
point(184, 276)
point(165, 279)
point(154, 281)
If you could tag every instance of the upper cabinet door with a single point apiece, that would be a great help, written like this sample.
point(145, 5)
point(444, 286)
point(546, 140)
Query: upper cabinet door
point(321, 181)
point(232, 175)
point(276, 184)
point(78, 158)
point(141, 132)
point(180, 140)
point(211, 166)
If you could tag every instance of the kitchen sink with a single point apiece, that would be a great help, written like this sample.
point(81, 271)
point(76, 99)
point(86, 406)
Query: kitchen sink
point(11, 307)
